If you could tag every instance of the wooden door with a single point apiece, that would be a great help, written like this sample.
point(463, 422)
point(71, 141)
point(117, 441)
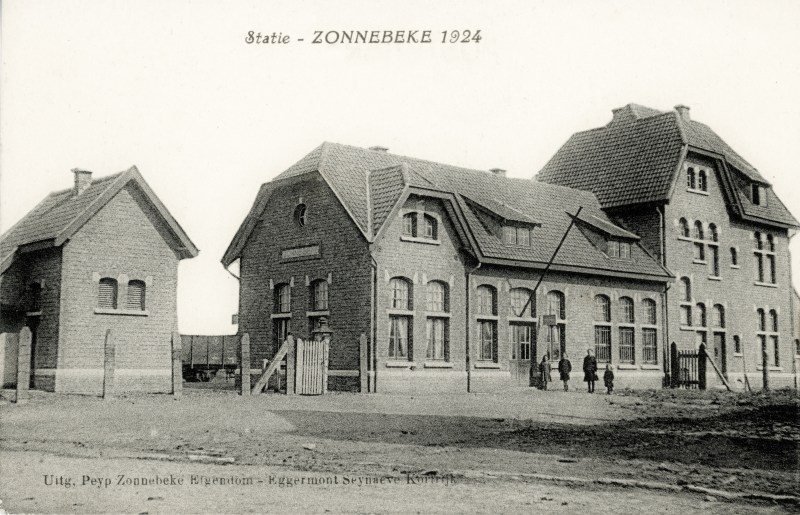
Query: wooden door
point(522, 338)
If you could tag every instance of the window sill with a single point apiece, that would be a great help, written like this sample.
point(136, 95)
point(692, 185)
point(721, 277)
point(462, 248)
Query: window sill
point(771, 368)
point(698, 192)
point(489, 365)
point(738, 355)
point(651, 366)
point(280, 315)
point(438, 364)
point(126, 312)
point(437, 314)
point(417, 239)
point(529, 320)
point(687, 328)
point(735, 266)
point(714, 278)
point(766, 285)
point(686, 238)
point(325, 313)
point(699, 261)
point(400, 364)
point(34, 313)
point(626, 366)
point(487, 317)
point(395, 311)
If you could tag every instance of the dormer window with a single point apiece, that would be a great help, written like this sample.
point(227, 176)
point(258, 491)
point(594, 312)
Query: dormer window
point(619, 249)
point(758, 195)
point(520, 236)
point(691, 179)
point(429, 227)
point(420, 227)
point(410, 225)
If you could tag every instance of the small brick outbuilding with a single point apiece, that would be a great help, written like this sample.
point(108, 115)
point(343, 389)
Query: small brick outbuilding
point(101, 255)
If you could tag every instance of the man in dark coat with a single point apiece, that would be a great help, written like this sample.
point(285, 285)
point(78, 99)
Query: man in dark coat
point(544, 370)
point(564, 368)
point(590, 369)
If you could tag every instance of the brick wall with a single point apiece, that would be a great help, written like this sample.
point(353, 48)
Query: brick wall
point(126, 241)
point(343, 258)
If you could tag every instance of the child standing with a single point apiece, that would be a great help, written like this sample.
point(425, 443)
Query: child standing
point(608, 379)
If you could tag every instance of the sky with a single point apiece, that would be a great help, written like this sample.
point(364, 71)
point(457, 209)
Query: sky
point(173, 87)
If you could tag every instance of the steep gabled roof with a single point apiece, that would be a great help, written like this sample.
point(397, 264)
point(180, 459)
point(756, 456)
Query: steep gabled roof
point(635, 159)
point(372, 184)
point(62, 213)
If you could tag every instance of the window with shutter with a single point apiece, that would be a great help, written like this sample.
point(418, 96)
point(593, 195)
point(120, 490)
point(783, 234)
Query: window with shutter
point(135, 298)
point(107, 293)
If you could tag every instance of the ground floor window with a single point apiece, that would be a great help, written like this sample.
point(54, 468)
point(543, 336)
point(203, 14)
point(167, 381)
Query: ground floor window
point(399, 343)
point(626, 345)
point(522, 339)
point(436, 332)
point(686, 316)
point(650, 346)
point(602, 343)
point(487, 340)
point(556, 341)
point(776, 357)
point(283, 326)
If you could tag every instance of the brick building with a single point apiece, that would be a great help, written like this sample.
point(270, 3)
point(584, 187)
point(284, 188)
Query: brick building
point(435, 266)
point(710, 218)
point(101, 255)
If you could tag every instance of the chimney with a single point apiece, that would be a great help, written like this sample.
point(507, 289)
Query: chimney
point(498, 172)
point(379, 148)
point(83, 179)
point(683, 112)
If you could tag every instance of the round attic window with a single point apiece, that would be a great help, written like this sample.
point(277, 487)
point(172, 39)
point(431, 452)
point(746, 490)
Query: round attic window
point(300, 215)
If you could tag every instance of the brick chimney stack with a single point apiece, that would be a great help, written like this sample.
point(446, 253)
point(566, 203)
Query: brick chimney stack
point(83, 179)
point(683, 112)
point(498, 172)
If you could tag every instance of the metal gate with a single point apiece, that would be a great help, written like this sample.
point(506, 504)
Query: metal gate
point(688, 368)
point(311, 377)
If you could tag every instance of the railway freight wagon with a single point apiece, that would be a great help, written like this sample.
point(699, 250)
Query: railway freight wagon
point(205, 356)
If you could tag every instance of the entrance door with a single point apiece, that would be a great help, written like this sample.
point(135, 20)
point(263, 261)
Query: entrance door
point(523, 346)
point(33, 325)
point(719, 353)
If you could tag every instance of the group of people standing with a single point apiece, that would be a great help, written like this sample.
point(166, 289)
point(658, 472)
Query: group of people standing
point(565, 368)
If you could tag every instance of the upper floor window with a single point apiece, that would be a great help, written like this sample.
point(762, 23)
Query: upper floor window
point(702, 181)
point(513, 235)
point(520, 298)
point(734, 257)
point(713, 234)
point(420, 225)
point(602, 308)
point(691, 179)
point(401, 289)
point(701, 314)
point(762, 320)
point(770, 243)
point(619, 249)
point(410, 224)
point(684, 228)
point(107, 293)
point(556, 305)
point(319, 295)
point(698, 230)
point(773, 319)
point(135, 298)
point(283, 298)
point(300, 213)
point(758, 195)
point(430, 227)
point(765, 259)
point(487, 304)
point(436, 297)
point(649, 311)
point(626, 310)
point(718, 316)
point(686, 290)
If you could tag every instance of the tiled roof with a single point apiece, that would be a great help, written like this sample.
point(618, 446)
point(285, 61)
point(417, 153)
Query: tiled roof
point(63, 211)
point(346, 168)
point(634, 159)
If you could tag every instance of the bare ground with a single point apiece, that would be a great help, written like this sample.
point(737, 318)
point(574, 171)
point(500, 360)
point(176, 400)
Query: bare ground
point(738, 443)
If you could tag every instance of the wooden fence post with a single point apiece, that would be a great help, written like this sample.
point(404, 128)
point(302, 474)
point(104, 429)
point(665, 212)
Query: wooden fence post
point(290, 367)
point(244, 363)
point(701, 367)
point(108, 367)
point(675, 367)
point(362, 362)
point(23, 365)
point(326, 347)
point(177, 364)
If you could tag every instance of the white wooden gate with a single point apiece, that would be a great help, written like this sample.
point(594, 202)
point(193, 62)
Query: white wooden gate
point(311, 376)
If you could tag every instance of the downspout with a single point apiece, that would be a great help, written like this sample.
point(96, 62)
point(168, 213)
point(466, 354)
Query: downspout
point(466, 327)
point(665, 307)
point(372, 359)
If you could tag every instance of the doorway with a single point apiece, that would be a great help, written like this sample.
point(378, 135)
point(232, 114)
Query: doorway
point(719, 354)
point(523, 346)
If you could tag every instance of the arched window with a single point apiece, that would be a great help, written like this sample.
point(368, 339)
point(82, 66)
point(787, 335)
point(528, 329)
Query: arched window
point(698, 230)
point(649, 312)
point(430, 228)
point(135, 298)
point(770, 243)
point(690, 179)
point(759, 242)
point(410, 224)
point(520, 298)
point(319, 295)
point(107, 293)
point(626, 310)
point(718, 316)
point(737, 345)
point(712, 232)
point(684, 228)
point(401, 293)
point(702, 181)
point(762, 320)
point(300, 213)
point(486, 300)
point(602, 308)
point(686, 290)
point(436, 297)
point(773, 319)
point(283, 298)
point(701, 314)
point(734, 257)
point(556, 305)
